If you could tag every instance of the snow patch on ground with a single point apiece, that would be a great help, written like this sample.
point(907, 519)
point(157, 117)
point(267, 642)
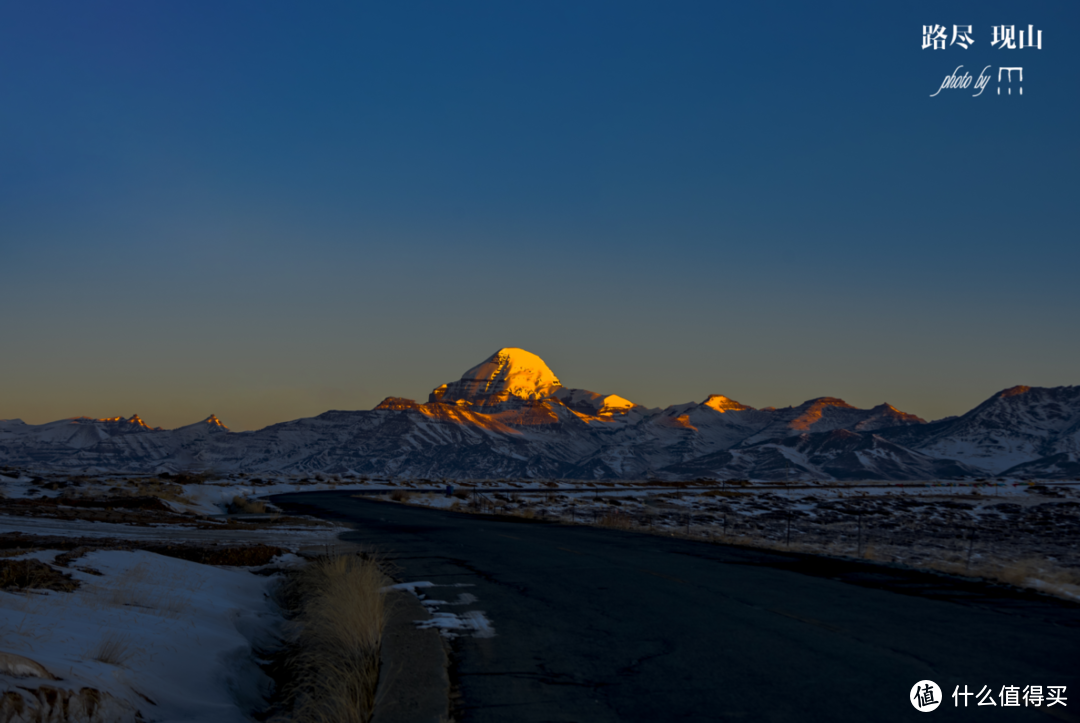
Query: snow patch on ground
point(170, 638)
point(473, 623)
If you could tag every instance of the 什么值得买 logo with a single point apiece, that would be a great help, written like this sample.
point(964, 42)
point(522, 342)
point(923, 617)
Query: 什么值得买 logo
point(925, 696)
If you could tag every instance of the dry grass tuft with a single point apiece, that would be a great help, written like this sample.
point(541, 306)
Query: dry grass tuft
point(1034, 573)
point(33, 574)
point(52, 703)
point(113, 649)
point(336, 636)
point(161, 490)
point(247, 506)
point(616, 520)
point(1030, 569)
point(400, 496)
point(18, 551)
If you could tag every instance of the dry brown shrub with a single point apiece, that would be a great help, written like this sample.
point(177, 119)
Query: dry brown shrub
point(616, 520)
point(400, 496)
point(235, 555)
point(188, 478)
point(161, 490)
point(50, 703)
point(34, 574)
point(248, 506)
point(1033, 573)
point(18, 551)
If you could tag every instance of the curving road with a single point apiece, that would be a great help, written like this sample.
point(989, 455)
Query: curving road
point(598, 625)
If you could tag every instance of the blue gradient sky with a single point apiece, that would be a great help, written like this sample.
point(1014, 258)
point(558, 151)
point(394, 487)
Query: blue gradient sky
point(266, 210)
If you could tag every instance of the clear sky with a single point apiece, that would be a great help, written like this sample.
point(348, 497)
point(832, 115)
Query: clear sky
point(265, 210)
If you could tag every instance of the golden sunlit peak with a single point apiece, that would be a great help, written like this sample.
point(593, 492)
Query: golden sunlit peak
point(133, 419)
point(613, 403)
point(509, 372)
point(213, 421)
point(397, 404)
point(722, 404)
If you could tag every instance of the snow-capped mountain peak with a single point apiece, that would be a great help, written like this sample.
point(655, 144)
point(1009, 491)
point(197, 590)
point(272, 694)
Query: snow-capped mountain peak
point(509, 373)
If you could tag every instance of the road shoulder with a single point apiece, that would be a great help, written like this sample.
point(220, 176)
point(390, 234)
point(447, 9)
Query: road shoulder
point(414, 685)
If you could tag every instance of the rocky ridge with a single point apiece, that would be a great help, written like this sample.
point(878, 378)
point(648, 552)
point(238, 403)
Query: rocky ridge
point(510, 416)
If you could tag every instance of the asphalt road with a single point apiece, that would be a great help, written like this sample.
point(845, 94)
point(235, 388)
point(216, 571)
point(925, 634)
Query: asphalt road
point(598, 625)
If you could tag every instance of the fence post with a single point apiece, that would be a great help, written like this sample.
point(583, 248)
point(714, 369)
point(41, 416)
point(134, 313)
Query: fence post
point(859, 553)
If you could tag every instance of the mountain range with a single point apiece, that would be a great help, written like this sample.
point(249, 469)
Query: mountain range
point(510, 416)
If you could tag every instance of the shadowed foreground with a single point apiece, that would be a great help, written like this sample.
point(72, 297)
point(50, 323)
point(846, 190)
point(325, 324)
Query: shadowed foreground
point(600, 625)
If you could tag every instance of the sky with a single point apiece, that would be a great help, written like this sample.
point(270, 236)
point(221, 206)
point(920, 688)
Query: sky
point(265, 210)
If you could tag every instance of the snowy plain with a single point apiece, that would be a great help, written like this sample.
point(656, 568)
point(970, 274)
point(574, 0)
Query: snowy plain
point(172, 639)
point(144, 636)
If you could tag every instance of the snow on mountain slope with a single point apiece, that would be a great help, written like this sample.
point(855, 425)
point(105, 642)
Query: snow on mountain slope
point(510, 416)
point(839, 454)
point(828, 413)
point(1012, 428)
point(1063, 465)
point(79, 432)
